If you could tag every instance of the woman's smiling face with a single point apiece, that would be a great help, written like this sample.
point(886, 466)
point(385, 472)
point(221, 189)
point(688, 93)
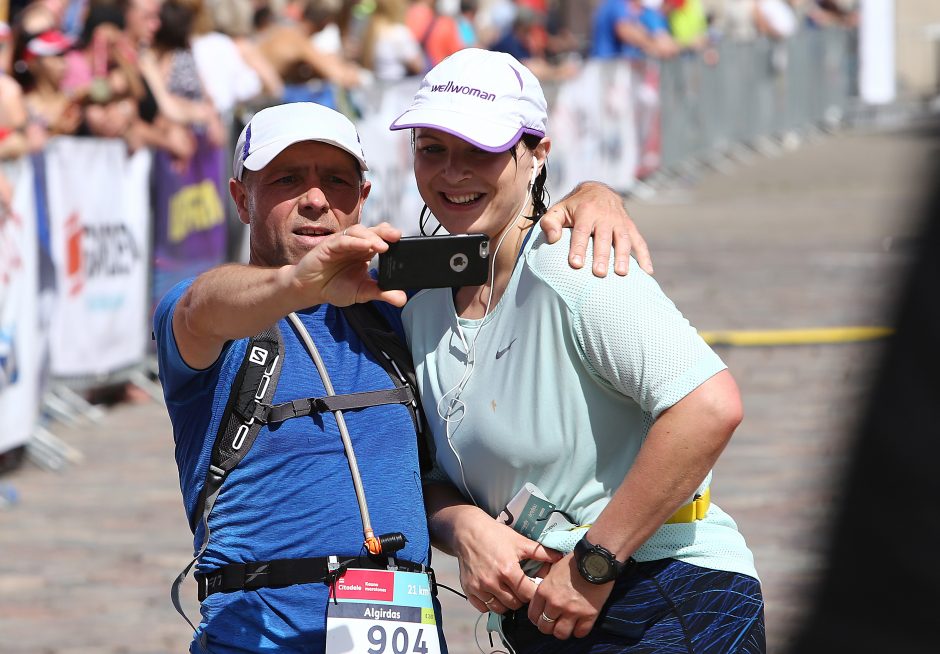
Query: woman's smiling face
point(468, 189)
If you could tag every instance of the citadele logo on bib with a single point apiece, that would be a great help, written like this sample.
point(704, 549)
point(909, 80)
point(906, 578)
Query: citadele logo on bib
point(376, 585)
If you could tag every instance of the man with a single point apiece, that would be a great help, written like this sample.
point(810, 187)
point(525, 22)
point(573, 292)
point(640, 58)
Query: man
point(298, 182)
point(633, 29)
point(287, 46)
point(436, 33)
point(526, 41)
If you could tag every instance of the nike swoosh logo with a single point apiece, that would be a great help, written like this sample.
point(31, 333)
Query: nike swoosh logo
point(500, 353)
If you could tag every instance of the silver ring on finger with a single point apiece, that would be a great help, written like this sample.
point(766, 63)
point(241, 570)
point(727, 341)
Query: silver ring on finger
point(490, 600)
point(546, 618)
point(345, 230)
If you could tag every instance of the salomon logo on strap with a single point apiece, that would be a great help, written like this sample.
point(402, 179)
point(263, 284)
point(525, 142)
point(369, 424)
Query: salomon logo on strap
point(243, 430)
point(258, 355)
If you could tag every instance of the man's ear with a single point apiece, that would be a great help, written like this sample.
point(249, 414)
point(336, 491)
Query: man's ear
point(240, 196)
point(364, 191)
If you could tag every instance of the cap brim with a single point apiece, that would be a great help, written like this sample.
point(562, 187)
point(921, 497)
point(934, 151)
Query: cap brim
point(264, 155)
point(485, 134)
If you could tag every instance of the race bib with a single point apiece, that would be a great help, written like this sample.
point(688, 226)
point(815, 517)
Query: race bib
point(381, 612)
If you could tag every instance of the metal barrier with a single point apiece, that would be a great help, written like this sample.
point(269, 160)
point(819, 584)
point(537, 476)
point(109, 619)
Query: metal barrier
point(758, 90)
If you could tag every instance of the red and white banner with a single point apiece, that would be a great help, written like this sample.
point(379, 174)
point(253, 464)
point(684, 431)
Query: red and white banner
point(99, 217)
point(21, 342)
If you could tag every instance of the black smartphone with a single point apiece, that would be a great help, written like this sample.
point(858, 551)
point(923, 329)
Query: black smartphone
point(452, 260)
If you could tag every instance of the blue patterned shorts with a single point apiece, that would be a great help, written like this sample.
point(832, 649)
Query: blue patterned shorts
point(667, 607)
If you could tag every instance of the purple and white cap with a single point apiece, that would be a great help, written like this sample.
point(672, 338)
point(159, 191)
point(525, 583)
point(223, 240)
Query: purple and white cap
point(483, 97)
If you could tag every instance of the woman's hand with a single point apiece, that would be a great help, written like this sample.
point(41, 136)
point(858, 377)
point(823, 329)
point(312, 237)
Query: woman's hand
point(69, 120)
point(564, 604)
point(595, 209)
point(489, 553)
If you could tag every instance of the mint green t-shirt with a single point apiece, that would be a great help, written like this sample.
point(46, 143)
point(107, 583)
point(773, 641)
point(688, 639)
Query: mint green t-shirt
point(558, 386)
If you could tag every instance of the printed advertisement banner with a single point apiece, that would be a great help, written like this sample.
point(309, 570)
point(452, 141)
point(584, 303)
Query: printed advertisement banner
point(99, 224)
point(21, 341)
point(189, 217)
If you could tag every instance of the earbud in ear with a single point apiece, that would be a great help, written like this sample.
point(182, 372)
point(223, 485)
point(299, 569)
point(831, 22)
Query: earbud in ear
point(535, 172)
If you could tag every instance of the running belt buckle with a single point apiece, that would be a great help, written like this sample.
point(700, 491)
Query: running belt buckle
point(695, 510)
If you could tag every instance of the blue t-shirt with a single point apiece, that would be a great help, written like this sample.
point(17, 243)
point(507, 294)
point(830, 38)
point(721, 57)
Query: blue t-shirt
point(513, 45)
point(292, 495)
point(604, 41)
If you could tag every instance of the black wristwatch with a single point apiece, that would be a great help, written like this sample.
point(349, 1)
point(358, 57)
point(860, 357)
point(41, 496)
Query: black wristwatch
point(597, 564)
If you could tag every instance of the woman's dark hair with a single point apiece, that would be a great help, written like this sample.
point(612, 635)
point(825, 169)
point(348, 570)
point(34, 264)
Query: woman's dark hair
point(176, 26)
point(540, 196)
point(100, 14)
point(263, 17)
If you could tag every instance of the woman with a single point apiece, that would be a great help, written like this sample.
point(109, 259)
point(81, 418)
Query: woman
point(39, 69)
point(101, 70)
point(388, 47)
point(178, 71)
point(596, 391)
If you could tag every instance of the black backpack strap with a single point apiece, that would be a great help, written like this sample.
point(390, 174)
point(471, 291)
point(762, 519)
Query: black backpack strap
point(348, 402)
point(245, 413)
point(393, 355)
point(252, 392)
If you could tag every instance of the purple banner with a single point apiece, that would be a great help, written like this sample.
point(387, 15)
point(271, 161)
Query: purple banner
point(189, 217)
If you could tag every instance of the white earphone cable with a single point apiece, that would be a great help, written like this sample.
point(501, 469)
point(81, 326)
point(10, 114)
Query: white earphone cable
point(456, 405)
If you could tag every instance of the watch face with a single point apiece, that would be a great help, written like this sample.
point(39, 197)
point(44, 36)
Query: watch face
point(596, 565)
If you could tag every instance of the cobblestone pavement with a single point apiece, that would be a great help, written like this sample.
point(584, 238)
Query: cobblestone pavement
point(811, 238)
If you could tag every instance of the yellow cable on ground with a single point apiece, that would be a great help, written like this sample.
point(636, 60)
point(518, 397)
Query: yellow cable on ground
point(811, 336)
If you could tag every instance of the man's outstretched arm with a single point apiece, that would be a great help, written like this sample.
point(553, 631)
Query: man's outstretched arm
point(236, 301)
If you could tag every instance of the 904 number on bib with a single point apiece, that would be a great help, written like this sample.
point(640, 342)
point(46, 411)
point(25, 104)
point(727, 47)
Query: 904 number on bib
point(401, 641)
point(381, 612)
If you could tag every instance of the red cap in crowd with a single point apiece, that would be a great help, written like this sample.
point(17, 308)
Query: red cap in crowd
point(50, 43)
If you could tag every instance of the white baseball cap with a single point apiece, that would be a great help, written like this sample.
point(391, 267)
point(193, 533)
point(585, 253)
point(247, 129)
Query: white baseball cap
point(274, 129)
point(483, 97)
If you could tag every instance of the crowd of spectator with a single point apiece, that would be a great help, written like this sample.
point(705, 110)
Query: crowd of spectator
point(168, 75)
point(157, 73)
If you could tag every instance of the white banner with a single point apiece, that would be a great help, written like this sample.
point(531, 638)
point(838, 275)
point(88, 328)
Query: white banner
point(593, 129)
point(99, 219)
point(876, 45)
point(21, 342)
point(394, 197)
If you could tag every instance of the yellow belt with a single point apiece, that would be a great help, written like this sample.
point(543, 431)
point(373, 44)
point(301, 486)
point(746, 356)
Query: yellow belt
point(697, 509)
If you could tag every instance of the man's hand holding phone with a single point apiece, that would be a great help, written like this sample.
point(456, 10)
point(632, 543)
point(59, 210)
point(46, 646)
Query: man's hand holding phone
point(336, 271)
